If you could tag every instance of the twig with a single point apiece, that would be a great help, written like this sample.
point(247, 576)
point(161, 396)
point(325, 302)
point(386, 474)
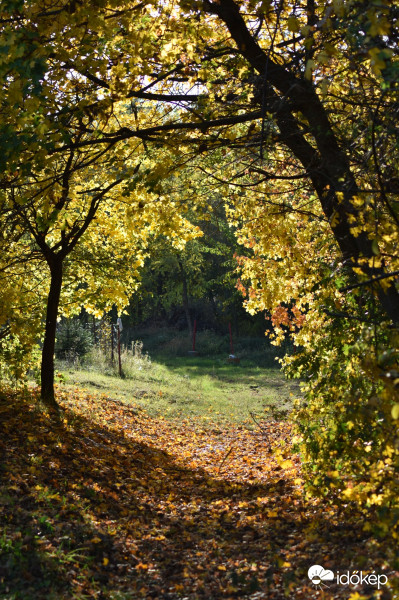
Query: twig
point(263, 430)
point(369, 281)
point(225, 458)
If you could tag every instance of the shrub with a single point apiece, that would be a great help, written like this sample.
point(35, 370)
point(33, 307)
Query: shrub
point(73, 340)
point(348, 431)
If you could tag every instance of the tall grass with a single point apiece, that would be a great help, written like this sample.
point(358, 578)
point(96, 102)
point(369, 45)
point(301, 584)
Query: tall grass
point(133, 359)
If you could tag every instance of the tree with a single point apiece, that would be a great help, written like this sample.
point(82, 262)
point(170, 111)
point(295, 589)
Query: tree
point(53, 215)
point(267, 65)
point(202, 272)
point(310, 242)
point(295, 101)
point(67, 210)
point(89, 226)
point(290, 96)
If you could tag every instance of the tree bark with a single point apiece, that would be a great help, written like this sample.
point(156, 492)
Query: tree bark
point(47, 367)
point(326, 163)
point(185, 300)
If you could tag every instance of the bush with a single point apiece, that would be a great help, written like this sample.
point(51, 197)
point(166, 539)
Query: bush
point(348, 432)
point(73, 340)
point(133, 360)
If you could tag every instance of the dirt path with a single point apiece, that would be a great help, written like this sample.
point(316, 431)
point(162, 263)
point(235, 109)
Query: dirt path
point(110, 503)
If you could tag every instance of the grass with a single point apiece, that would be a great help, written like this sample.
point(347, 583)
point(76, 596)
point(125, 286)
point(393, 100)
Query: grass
point(172, 384)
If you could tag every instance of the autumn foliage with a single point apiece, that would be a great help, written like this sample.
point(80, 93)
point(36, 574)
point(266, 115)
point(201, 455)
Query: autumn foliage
point(117, 121)
point(106, 501)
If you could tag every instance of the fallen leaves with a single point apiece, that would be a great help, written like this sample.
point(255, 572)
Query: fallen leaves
point(107, 502)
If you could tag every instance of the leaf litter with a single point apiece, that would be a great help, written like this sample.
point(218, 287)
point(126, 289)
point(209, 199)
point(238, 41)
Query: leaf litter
point(108, 502)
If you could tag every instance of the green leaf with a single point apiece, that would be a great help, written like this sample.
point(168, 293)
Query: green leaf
point(374, 247)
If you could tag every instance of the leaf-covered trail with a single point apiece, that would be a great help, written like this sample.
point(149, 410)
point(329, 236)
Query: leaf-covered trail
point(110, 503)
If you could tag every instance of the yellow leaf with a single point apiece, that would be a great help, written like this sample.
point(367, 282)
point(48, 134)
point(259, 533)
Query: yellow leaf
point(395, 411)
point(310, 65)
point(105, 561)
point(348, 493)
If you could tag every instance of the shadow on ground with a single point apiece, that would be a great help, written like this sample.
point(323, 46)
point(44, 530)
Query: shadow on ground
point(95, 504)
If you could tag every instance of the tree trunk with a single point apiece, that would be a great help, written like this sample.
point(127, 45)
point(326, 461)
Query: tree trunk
point(185, 300)
point(325, 161)
point(47, 367)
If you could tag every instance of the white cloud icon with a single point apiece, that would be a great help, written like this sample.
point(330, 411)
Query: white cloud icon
point(317, 574)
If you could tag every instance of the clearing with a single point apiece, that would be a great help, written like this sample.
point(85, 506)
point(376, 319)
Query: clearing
point(173, 385)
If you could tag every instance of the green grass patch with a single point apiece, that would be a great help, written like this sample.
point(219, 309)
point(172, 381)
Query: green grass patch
point(175, 385)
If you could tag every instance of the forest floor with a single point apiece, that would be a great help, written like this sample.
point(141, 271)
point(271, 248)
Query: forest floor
point(109, 502)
